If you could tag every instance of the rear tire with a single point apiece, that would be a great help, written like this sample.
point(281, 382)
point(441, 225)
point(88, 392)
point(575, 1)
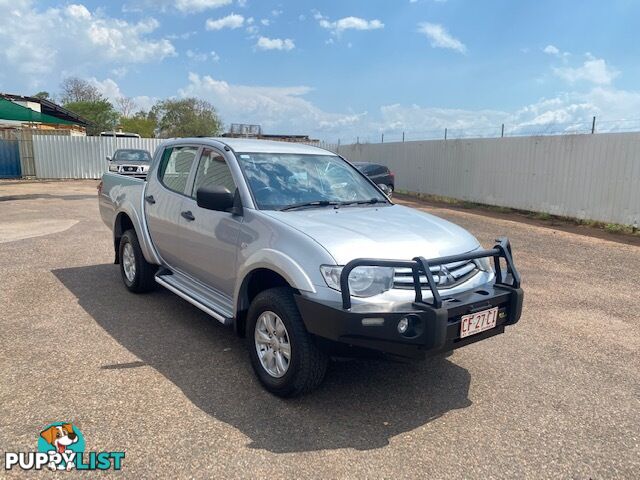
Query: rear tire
point(306, 366)
point(138, 275)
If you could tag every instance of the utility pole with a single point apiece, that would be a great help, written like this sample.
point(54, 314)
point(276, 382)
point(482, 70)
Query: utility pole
point(358, 140)
point(382, 140)
point(402, 137)
point(445, 133)
point(593, 125)
point(502, 134)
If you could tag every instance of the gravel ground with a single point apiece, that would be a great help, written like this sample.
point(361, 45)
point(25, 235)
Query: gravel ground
point(557, 396)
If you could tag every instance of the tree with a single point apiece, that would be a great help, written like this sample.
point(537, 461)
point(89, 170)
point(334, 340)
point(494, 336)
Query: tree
point(74, 90)
point(100, 113)
point(126, 106)
point(142, 123)
point(43, 95)
point(189, 117)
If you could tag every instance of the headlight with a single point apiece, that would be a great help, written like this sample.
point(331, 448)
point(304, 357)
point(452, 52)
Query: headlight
point(113, 168)
point(363, 281)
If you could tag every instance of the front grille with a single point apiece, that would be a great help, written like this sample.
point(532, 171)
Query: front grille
point(453, 274)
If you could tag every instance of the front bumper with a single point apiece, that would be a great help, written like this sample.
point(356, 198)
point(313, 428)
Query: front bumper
point(435, 325)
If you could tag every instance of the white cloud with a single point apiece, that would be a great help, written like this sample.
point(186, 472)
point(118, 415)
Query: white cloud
point(593, 70)
point(265, 43)
point(197, 56)
point(78, 11)
point(551, 50)
point(36, 42)
point(111, 90)
point(119, 72)
point(347, 23)
point(189, 6)
point(277, 109)
point(439, 37)
point(232, 21)
point(556, 52)
point(564, 113)
point(202, 56)
point(429, 120)
point(182, 36)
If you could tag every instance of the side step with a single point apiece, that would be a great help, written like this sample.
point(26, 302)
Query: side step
point(210, 302)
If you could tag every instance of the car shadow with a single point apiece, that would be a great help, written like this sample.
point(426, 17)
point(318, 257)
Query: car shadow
point(361, 404)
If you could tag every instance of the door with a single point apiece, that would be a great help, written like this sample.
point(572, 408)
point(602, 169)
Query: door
point(209, 238)
point(166, 189)
point(9, 158)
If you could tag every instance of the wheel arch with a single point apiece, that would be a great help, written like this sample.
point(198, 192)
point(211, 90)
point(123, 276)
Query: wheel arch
point(121, 224)
point(128, 218)
point(268, 269)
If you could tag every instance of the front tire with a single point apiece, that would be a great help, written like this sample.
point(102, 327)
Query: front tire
point(283, 354)
point(137, 274)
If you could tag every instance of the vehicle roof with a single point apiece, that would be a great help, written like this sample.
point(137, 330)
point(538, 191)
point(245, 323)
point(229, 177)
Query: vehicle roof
point(252, 145)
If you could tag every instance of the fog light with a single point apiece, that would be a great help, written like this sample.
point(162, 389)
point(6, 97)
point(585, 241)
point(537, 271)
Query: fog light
point(403, 325)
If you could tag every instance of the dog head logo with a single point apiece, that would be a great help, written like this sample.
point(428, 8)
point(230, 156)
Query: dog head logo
point(61, 446)
point(60, 437)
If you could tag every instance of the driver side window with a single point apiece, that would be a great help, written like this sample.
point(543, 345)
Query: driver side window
point(213, 171)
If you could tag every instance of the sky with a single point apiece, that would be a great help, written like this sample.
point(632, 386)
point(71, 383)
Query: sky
point(343, 69)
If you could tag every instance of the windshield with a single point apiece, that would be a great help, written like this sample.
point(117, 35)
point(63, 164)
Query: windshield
point(279, 180)
point(132, 156)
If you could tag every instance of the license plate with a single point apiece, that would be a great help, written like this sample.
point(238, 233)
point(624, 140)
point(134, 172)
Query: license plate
point(478, 322)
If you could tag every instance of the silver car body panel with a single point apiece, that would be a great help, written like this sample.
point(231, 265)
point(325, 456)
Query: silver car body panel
point(221, 250)
point(125, 195)
point(386, 232)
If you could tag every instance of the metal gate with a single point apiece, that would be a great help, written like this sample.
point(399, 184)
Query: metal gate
point(9, 158)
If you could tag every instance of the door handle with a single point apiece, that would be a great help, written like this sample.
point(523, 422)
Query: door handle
point(188, 215)
point(150, 199)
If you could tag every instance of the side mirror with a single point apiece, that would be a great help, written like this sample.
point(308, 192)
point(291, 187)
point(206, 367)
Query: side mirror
point(217, 198)
point(108, 158)
point(385, 189)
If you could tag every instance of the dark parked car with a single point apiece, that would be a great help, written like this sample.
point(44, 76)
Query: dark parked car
point(378, 173)
point(129, 161)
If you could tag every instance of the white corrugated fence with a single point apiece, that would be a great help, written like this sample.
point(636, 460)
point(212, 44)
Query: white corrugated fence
point(595, 177)
point(59, 156)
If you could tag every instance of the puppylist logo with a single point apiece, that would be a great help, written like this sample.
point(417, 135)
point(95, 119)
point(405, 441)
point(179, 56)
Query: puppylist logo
point(61, 446)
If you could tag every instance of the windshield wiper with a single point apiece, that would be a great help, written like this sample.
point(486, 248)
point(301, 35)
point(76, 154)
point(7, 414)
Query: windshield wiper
point(371, 201)
point(317, 203)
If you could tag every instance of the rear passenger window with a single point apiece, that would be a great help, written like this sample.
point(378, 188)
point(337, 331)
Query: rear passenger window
point(213, 171)
point(175, 167)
